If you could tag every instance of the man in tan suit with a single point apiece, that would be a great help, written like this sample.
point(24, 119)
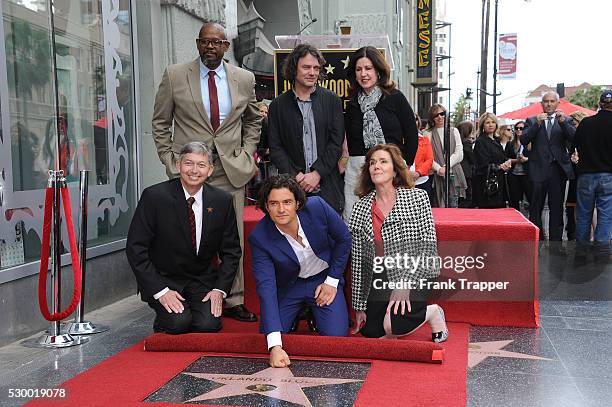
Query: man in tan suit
point(214, 102)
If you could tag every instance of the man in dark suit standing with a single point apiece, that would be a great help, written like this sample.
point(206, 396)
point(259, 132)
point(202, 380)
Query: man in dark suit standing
point(549, 165)
point(299, 249)
point(178, 228)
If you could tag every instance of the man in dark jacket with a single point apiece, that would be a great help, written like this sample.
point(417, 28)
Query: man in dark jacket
point(549, 164)
point(594, 188)
point(306, 128)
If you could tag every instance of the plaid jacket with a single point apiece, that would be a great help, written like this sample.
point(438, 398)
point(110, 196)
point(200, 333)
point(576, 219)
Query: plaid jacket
point(407, 229)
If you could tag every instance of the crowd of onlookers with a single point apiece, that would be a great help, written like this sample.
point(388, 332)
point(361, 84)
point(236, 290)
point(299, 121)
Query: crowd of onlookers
point(489, 164)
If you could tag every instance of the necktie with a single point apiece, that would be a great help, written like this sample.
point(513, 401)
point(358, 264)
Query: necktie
point(214, 101)
point(192, 223)
point(549, 125)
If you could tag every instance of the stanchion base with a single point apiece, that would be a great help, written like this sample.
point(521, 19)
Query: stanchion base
point(83, 328)
point(54, 341)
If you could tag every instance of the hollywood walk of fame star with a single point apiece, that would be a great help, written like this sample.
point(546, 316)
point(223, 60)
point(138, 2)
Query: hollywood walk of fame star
point(479, 351)
point(345, 61)
point(278, 383)
point(329, 69)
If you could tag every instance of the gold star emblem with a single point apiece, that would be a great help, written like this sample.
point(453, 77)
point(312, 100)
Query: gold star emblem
point(345, 62)
point(329, 69)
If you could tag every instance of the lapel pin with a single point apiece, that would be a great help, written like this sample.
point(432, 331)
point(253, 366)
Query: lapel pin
point(210, 210)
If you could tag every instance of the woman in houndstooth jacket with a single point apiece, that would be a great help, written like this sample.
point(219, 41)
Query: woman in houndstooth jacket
point(393, 230)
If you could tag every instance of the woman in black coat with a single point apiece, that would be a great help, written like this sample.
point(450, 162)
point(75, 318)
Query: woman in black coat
point(489, 160)
point(377, 113)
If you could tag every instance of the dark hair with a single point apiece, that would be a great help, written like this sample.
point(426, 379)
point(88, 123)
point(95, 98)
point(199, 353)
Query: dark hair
point(278, 182)
point(430, 114)
point(402, 178)
point(417, 118)
point(517, 138)
point(465, 129)
point(383, 70)
point(291, 63)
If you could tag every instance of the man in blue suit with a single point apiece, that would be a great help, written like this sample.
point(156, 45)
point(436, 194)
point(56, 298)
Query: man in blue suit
point(549, 165)
point(299, 250)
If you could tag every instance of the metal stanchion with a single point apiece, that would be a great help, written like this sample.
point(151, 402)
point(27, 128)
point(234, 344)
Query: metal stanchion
point(80, 327)
point(53, 338)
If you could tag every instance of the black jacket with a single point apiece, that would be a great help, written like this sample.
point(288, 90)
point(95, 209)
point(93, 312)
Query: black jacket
point(545, 150)
point(159, 241)
point(594, 143)
point(396, 119)
point(285, 139)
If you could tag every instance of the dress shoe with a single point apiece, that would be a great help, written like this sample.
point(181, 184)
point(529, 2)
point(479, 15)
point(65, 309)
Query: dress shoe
point(312, 324)
point(441, 336)
point(304, 314)
point(240, 313)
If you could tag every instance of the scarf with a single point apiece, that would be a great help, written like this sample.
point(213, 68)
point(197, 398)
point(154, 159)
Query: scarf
point(372, 132)
point(458, 181)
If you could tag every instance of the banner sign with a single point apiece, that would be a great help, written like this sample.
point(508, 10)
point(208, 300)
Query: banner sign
point(334, 71)
point(425, 41)
point(507, 56)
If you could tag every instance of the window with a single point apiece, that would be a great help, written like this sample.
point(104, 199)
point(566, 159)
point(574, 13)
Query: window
point(90, 128)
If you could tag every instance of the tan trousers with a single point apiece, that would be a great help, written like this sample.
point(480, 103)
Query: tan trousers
point(219, 179)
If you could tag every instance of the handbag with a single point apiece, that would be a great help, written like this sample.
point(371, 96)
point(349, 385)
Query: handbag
point(491, 186)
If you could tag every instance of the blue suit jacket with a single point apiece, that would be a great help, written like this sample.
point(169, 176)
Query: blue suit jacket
point(275, 265)
point(545, 150)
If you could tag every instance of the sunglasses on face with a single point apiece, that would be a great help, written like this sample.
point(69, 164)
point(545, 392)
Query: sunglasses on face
point(519, 128)
point(441, 114)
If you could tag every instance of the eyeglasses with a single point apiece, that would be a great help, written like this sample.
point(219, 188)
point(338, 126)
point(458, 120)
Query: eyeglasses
point(519, 128)
point(508, 129)
point(200, 165)
point(441, 114)
point(215, 42)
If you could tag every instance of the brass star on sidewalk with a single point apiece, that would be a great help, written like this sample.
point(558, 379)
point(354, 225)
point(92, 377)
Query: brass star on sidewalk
point(479, 351)
point(277, 383)
point(345, 61)
point(329, 69)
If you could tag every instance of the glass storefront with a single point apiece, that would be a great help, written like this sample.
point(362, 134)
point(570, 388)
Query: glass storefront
point(79, 116)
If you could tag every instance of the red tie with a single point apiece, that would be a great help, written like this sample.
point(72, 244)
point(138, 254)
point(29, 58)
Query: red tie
point(192, 224)
point(214, 101)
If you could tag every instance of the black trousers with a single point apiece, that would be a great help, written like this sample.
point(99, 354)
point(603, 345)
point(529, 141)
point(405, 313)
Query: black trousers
point(553, 187)
point(196, 316)
point(519, 186)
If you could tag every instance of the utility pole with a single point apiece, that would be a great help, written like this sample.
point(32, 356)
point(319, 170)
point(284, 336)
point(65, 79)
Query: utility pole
point(495, 63)
point(484, 46)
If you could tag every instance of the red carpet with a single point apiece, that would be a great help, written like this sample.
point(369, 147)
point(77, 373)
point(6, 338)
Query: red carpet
point(301, 345)
point(130, 376)
point(510, 242)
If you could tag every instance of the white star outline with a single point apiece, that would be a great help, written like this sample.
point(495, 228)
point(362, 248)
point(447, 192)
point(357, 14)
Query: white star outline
point(288, 387)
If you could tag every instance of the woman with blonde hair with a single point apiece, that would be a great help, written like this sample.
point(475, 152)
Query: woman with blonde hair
point(392, 219)
point(490, 166)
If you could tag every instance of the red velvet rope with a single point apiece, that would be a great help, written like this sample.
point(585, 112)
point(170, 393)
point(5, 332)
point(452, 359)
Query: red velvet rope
point(44, 258)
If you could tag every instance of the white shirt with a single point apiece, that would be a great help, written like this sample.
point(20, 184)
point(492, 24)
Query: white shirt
point(456, 156)
point(197, 211)
point(223, 93)
point(310, 265)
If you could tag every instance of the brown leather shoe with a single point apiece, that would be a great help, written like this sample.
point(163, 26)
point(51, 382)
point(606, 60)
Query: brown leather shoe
point(241, 313)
